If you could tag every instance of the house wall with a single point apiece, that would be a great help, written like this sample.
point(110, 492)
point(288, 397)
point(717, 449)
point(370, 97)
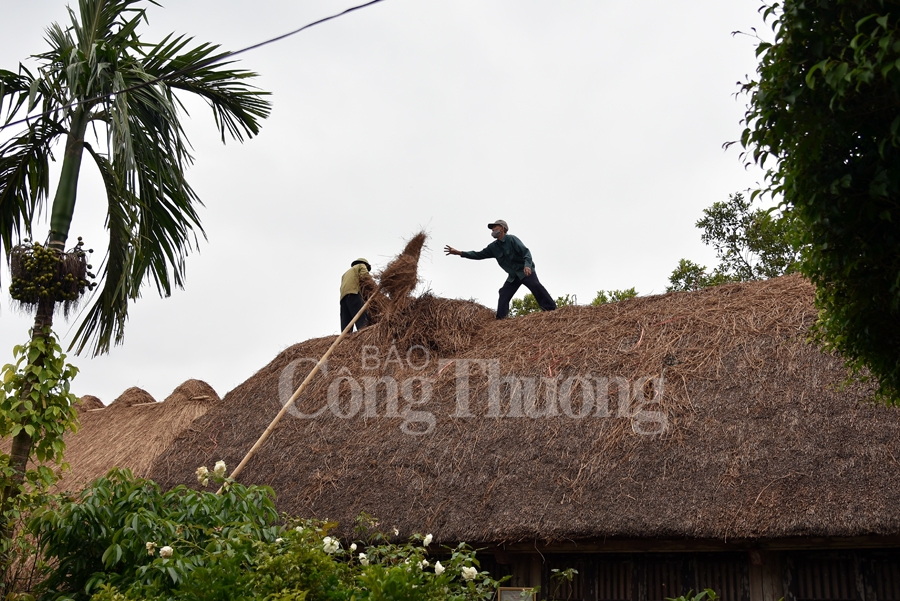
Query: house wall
point(766, 575)
point(753, 575)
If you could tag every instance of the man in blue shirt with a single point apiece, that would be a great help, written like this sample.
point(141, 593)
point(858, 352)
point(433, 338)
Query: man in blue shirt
point(515, 259)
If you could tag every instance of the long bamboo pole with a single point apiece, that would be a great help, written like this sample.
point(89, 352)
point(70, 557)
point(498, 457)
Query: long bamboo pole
point(299, 390)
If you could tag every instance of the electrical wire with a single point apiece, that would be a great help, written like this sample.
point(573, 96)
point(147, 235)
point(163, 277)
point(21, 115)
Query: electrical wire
point(194, 67)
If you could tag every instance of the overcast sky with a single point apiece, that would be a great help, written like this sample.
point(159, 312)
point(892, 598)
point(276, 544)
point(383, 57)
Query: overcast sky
point(594, 127)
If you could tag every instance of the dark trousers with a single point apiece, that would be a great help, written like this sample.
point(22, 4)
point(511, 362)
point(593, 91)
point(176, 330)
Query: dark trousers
point(543, 298)
point(350, 306)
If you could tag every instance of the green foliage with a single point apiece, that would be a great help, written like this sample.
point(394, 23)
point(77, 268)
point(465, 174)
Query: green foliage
point(691, 276)
point(613, 296)
point(706, 594)
point(124, 539)
point(299, 562)
point(35, 397)
point(120, 528)
point(562, 581)
point(529, 304)
point(824, 115)
point(750, 245)
point(403, 572)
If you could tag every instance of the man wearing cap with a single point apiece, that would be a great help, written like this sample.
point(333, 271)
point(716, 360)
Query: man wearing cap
point(515, 259)
point(351, 299)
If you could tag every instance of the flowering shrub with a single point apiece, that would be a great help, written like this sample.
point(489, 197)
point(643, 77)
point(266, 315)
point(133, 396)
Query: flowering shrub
point(123, 539)
point(124, 532)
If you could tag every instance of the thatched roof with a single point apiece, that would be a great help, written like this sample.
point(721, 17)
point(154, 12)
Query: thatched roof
point(88, 402)
point(132, 431)
point(760, 442)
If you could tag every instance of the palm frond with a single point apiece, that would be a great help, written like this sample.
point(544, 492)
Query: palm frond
point(24, 180)
point(106, 21)
point(14, 89)
point(152, 216)
point(237, 106)
point(104, 323)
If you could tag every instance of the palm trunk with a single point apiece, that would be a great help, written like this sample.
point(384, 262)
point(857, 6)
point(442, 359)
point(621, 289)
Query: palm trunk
point(64, 202)
point(60, 220)
point(21, 446)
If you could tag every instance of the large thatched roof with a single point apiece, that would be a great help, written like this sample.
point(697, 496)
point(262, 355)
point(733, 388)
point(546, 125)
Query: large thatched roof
point(759, 441)
point(131, 432)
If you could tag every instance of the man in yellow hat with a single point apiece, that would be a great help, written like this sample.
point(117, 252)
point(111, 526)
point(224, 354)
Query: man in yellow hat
point(351, 299)
point(515, 259)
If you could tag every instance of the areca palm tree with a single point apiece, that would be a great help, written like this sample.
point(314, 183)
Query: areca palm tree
point(99, 78)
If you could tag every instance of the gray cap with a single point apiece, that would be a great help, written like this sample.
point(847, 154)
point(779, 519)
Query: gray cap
point(499, 222)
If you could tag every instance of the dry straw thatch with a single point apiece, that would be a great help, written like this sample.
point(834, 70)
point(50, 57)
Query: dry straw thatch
point(132, 431)
point(400, 277)
point(89, 402)
point(759, 441)
point(389, 289)
point(133, 396)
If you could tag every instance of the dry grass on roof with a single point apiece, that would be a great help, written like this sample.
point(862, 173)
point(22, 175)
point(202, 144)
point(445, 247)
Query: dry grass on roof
point(400, 276)
point(88, 402)
point(437, 324)
point(759, 440)
point(132, 396)
point(132, 431)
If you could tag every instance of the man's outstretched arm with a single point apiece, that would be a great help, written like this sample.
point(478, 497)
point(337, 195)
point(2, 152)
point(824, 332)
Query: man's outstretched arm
point(471, 254)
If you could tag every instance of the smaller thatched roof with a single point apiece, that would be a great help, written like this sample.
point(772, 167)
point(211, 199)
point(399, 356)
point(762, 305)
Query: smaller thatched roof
point(132, 431)
point(90, 402)
point(133, 396)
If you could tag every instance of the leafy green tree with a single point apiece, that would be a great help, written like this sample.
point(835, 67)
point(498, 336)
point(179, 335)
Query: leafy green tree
point(824, 116)
point(613, 296)
point(99, 77)
point(693, 276)
point(528, 305)
point(750, 244)
point(35, 398)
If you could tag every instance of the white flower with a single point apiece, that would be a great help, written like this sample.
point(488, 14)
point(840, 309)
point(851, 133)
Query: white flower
point(166, 552)
point(220, 468)
point(202, 474)
point(427, 540)
point(278, 540)
point(469, 573)
point(330, 545)
point(423, 564)
point(363, 560)
point(151, 548)
point(396, 532)
point(298, 529)
point(438, 568)
point(352, 547)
